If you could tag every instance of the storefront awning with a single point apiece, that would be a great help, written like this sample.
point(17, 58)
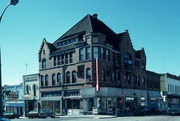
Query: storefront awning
point(154, 94)
point(14, 104)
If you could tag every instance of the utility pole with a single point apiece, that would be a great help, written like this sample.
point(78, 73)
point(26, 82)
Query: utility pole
point(1, 106)
point(26, 67)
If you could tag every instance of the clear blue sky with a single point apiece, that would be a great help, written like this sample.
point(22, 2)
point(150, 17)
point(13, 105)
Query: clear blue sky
point(152, 24)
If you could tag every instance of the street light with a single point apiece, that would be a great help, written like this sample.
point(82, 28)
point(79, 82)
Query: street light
point(12, 2)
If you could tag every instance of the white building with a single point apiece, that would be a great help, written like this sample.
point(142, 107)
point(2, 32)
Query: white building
point(170, 85)
point(31, 92)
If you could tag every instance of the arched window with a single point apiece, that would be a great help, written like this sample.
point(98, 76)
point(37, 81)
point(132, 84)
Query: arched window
point(58, 78)
point(28, 89)
point(143, 81)
point(128, 62)
point(68, 77)
point(53, 79)
point(88, 73)
point(46, 80)
point(73, 77)
point(35, 87)
point(44, 64)
point(42, 80)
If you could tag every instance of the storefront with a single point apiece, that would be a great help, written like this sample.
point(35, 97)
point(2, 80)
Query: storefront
point(108, 100)
point(14, 107)
point(53, 103)
point(155, 101)
point(72, 102)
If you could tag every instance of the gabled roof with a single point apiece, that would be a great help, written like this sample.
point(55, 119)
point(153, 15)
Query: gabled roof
point(90, 24)
point(140, 53)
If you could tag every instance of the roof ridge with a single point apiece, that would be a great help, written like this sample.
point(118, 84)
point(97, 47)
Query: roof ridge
point(70, 29)
point(89, 16)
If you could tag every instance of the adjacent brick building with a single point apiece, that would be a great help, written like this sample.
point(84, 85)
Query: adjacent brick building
point(90, 68)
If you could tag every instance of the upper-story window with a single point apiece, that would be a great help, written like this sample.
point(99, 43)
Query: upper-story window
point(58, 78)
point(81, 54)
point(95, 52)
point(53, 79)
point(67, 42)
point(54, 60)
point(107, 55)
point(70, 57)
point(127, 77)
point(58, 57)
point(143, 81)
point(44, 52)
point(34, 89)
point(44, 64)
point(128, 63)
point(68, 77)
point(66, 58)
point(42, 80)
point(73, 77)
point(62, 59)
point(88, 53)
point(28, 89)
point(80, 71)
point(95, 40)
point(88, 73)
point(103, 74)
point(46, 80)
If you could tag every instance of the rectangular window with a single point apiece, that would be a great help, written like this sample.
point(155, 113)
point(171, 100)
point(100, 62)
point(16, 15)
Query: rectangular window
point(107, 55)
point(95, 52)
point(102, 53)
point(88, 53)
point(62, 59)
point(81, 54)
point(58, 59)
point(54, 60)
point(80, 71)
point(66, 58)
point(70, 58)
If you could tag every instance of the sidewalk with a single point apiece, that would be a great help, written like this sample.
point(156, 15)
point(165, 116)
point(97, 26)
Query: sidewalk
point(90, 116)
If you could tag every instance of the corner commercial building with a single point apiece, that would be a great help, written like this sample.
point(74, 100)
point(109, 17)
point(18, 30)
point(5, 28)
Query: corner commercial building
point(91, 69)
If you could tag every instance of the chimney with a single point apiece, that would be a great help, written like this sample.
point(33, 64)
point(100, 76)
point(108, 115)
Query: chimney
point(95, 15)
point(126, 30)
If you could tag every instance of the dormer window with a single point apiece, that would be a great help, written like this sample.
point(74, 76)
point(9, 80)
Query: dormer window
point(67, 42)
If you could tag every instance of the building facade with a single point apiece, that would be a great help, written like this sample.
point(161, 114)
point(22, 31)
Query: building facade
point(155, 100)
point(170, 91)
point(13, 99)
point(91, 69)
point(31, 93)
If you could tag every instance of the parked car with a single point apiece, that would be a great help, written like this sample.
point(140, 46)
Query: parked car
point(33, 114)
point(4, 119)
point(11, 115)
point(44, 113)
point(142, 110)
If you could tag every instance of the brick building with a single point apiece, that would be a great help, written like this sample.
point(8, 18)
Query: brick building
point(92, 69)
point(155, 100)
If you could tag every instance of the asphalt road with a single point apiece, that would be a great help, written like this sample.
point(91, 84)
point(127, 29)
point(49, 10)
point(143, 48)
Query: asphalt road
point(131, 118)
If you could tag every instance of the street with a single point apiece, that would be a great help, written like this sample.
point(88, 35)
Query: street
point(100, 118)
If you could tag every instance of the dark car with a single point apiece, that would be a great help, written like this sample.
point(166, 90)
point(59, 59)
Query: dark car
point(142, 111)
point(44, 113)
point(33, 114)
point(4, 119)
point(11, 115)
